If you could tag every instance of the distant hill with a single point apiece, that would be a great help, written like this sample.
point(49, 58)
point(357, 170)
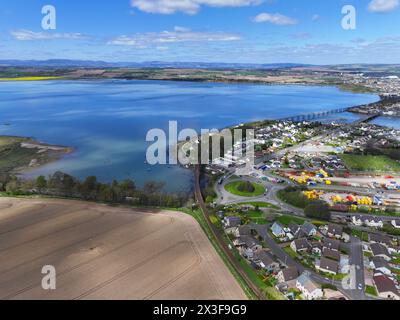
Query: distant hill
point(64, 63)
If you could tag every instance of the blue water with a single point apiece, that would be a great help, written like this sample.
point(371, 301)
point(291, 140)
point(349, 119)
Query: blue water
point(387, 122)
point(107, 121)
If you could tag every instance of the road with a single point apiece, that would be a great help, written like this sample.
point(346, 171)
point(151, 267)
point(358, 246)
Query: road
point(356, 258)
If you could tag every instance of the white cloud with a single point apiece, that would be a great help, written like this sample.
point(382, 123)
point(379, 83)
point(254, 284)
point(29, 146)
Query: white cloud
point(179, 34)
point(275, 18)
point(27, 35)
point(383, 5)
point(315, 17)
point(186, 6)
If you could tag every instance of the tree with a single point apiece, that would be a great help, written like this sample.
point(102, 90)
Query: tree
point(318, 210)
point(41, 182)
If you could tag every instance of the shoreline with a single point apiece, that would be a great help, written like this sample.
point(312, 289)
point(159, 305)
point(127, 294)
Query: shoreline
point(23, 154)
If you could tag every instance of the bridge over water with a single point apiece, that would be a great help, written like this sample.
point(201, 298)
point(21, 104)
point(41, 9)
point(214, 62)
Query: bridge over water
point(313, 115)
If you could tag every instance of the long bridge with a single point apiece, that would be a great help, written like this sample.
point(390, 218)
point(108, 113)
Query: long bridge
point(323, 114)
point(313, 115)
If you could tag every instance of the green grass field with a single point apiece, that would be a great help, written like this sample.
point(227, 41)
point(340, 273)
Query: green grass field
point(285, 220)
point(30, 78)
point(370, 163)
point(260, 205)
point(233, 188)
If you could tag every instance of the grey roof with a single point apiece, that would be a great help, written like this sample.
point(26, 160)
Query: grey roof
point(331, 244)
point(250, 241)
point(379, 249)
point(293, 227)
point(244, 230)
point(335, 229)
point(331, 254)
point(379, 262)
point(277, 228)
point(233, 221)
point(302, 244)
point(307, 283)
point(328, 264)
point(265, 258)
point(379, 238)
point(307, 227)
point(290, 273)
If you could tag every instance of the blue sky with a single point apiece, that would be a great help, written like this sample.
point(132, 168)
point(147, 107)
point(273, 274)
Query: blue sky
point(247, 31)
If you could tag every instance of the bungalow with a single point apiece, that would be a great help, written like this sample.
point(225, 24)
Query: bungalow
point(332, 244)
point(331, 254)
point(369, 221)
point(277, 230)
point(288, 274)
point(396, 223)
point(293, 228)
point(248, 246)
point(316, 248)
point(335, 231)
point(385, 287)
point(328, 266)
point(308, 229)
point(265, 261)
point(232, 222)
point(381, 265)
point(379, 238)
point(308, 288)
point(379, 250)
point(300, 245)
point(244, 230)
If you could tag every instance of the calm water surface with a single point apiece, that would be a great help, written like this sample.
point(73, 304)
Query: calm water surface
point(107, 121)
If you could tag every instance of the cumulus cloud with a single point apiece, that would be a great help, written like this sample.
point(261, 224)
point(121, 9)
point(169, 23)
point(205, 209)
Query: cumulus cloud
point(383, 5)
point(180, 34)
point(275, 18)
point(27, 35)
point(186, 6)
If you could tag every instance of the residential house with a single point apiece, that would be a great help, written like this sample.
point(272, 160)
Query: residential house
point(331, 244)
point(369, 221)
point(379, 238)
point(316, 248)
point(232, 222)
point(300, 245)
point(379, 250)
point(335, 231)
point(379, 264)
point(277, 230)
point(308, 229)
point(385, 287)
point(327, 265)
point(308, 288)
point(396, 223)
point(293, 228)
point(265, 261)
point(288, 275)
point(244, 230)
point(331, 254)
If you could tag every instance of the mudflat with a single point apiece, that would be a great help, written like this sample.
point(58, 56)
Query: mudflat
point(103, 252)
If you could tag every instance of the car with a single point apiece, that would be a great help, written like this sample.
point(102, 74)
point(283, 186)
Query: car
point(360, 286)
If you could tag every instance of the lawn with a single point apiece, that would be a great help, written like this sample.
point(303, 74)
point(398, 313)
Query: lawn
point(260, 204)
point(285, 220)
point(233, 188)
point(30, 78)
point(370, 163)
point(370, 290)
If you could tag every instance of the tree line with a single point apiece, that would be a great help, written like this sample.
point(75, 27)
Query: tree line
point(61, 184)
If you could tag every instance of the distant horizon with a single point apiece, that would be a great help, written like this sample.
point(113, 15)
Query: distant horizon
point(226, 31)
point(294, 64)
